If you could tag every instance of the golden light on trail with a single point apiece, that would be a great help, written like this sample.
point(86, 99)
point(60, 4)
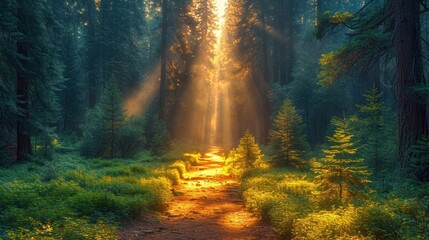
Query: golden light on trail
point(221, 8)
point(138, 102)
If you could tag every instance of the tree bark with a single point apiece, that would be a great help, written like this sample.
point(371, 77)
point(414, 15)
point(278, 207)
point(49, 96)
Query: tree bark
point(265, 79)
point(163, 48)
point(412, 114)
point(92, 75)
point(23, 140)
point(289, 34)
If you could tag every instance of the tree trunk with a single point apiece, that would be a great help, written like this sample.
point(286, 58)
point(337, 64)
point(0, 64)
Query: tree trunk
point(289, 34)
point(23, 140)
point(412, 115)
point(163, 48)
point(265, 79)
point(279, 43)
point(92, 66)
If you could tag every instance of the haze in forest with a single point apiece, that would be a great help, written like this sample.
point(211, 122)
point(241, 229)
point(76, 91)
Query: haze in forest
point(290, 119)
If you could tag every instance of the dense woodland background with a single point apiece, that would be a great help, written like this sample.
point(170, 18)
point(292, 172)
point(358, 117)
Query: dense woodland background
point(334, 91)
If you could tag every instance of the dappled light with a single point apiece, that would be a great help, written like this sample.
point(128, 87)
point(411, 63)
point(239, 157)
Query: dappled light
point(139, 100)
point(214, 119)
point(276, 34)
point(207, 205)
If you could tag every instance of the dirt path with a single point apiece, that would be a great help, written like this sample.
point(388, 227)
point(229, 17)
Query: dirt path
point(208, 207)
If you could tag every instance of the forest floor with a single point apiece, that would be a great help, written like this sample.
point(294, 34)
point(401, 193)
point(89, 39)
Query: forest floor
point(206, 206)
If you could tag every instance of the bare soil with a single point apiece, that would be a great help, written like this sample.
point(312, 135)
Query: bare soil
point(206, 206)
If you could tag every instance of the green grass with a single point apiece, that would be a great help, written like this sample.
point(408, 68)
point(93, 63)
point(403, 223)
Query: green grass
point(74, 198)
point(288, 199)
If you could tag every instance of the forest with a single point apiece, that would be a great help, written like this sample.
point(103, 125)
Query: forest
point(214, 119)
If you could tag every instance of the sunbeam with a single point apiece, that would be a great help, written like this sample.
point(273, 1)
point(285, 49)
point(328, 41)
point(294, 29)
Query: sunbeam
point(139, 101)
point(221, 8)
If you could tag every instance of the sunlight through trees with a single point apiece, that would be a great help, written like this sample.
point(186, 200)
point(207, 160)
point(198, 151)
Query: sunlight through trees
point(194, 119)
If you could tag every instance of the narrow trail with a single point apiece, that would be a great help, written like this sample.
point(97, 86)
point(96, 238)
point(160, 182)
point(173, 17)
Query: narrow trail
point(207, 207)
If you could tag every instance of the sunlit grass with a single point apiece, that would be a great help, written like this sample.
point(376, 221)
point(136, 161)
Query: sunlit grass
point(85, 197)
point(289, 201)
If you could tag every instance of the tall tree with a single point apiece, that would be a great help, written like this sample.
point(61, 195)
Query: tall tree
point(373, 31)
point(113, 115)
point(412, 108)
point(8, 106)
point(189, 73)
point(38, 72)
point(163, 49)
point(284, 23)
point(93, 52)
point(23, 140)
point(246, 66)
point(72, 92)
point(113, 37)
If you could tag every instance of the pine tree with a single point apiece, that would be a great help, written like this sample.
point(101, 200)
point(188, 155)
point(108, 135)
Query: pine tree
point(71, 96)
point(30, 64)
point(114, 37)
point(156, 135)
point(419, 163)
point(342, 177)
point(246, 156)
point(113, 115)
point(286, 137)
point(372, 119)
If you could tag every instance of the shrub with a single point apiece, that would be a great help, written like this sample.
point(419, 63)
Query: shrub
point(278, 196)
point(284, 215)
point(321, 225)
point(296, 187)
point(85, 179)
point(130, 138)
point(130, 170)
point(377, 222)
point(172, 174)
point(92, 134)
point(262, 202)
point(106, 204)
point(159, 192)
point(52, 170)
point(156, 133)
point(70, 229)
point(193, 158)
point(122, 186)
point(180, 166)
point(78, 205)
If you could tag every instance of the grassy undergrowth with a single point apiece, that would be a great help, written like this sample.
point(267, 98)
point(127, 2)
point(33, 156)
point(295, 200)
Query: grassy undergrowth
point(74, 198)
point(288, 199)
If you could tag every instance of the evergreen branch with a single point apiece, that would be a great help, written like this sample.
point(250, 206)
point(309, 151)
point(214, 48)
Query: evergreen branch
point(424, 40)
point(363, 8)
point(426, 8)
